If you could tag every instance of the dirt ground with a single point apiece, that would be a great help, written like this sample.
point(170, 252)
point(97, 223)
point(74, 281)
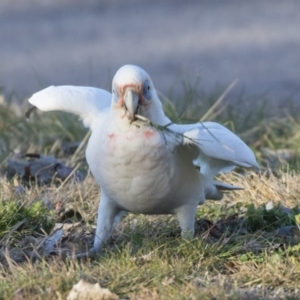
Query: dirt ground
point(58, 42)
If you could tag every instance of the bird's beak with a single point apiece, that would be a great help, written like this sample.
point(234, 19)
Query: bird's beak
point(131, 102)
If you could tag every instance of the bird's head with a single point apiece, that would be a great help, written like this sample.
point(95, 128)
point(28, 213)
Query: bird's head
point(133, 93)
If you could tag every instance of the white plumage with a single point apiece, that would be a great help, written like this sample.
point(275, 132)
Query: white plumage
point(143, 162)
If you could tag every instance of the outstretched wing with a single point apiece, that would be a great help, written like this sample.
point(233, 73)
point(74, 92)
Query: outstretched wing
point(91, 104)
point(215, 148)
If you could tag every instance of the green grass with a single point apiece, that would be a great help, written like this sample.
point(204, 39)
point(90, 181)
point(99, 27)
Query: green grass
point(36, 217)
point(241, 250)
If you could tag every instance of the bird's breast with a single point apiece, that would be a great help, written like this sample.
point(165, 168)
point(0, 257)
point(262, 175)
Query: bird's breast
point(136, 167)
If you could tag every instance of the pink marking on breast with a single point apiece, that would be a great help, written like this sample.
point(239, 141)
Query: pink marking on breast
point(111, 136)
point(148, 134)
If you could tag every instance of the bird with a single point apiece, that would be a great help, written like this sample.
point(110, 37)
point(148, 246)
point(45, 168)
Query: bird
point(143, 162)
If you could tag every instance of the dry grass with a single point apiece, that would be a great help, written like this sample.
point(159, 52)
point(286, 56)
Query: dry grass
point(146, 258)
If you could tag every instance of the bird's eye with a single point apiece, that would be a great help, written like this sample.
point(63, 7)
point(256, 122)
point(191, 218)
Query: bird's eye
point(147, 91)
point(115, 94)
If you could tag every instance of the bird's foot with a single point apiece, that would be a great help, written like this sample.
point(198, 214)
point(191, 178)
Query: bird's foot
point(187, 235)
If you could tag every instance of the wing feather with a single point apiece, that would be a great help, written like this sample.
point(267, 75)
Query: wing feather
point(217, 148)
point(87, 102)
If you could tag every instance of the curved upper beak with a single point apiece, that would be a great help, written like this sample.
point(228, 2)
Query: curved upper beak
point(131, 102)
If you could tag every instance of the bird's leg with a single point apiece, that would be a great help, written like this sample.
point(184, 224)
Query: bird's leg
point(186, 217)
point(107, 212)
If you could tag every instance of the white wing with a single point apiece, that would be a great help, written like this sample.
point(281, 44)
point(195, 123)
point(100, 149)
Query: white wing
point(87, 102)
point(215, 148)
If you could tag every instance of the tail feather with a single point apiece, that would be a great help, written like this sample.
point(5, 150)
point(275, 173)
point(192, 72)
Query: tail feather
point(214, 190)
point(222, 186)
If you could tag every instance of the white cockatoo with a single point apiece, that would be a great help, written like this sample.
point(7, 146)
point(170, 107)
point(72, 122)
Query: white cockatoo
point(142, 161)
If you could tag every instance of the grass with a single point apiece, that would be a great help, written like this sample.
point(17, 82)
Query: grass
point(242, 249)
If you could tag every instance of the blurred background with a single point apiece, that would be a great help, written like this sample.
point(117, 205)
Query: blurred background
point(76, 42)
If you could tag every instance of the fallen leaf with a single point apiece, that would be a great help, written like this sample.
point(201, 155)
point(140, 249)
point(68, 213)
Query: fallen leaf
point(41, 168)
point(86, 291)
point(49, 244)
